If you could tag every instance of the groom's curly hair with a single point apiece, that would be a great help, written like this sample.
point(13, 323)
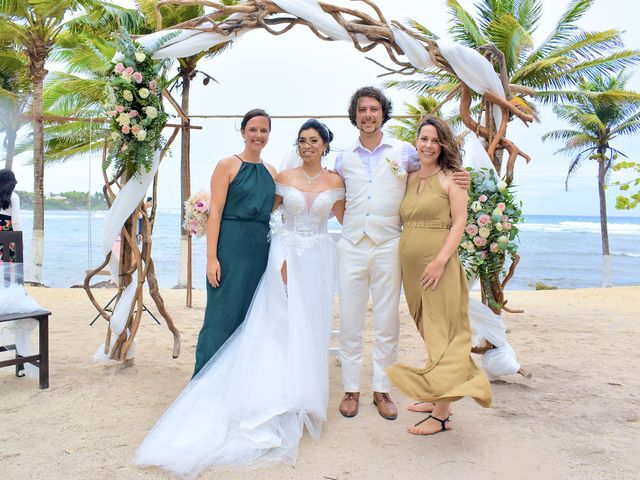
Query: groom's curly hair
point(371, 92)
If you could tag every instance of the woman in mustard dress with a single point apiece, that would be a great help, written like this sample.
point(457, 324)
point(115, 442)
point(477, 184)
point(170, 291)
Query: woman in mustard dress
point(434, 212)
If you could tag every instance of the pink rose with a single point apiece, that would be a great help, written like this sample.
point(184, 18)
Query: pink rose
point(135, 129)
point(484, 220)
point(479, 241)
point(483, 254)
point(493, 248)
point(502, 206)
point(137, 76)
point(119, 68)
point(471, 229)
point(202, 206)
point(133, 113)
point(153, 85)
point(504, 218)
point(128, 71)
point(112, 113)
point(507, 225)
point(119, 108)
point(125, 129)
point(483, 198)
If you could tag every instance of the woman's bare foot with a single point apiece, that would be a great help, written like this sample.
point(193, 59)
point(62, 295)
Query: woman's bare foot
point(421, 407)
point(430, 426)
point(437, 421)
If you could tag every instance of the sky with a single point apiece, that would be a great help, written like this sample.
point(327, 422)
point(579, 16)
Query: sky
point(299, 74)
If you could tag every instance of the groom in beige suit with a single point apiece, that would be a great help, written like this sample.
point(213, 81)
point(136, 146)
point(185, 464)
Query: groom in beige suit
point(374, 170)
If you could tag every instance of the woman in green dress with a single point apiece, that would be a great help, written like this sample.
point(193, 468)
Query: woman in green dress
point(242, 194)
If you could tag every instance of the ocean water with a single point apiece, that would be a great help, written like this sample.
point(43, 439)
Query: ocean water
point(563, 251)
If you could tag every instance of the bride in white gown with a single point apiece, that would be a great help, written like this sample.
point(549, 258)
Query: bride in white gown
point(250, 403)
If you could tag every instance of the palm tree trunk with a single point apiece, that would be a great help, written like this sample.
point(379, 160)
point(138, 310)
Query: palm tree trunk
point(604, 232)
point(37, 71)
point(185, 179)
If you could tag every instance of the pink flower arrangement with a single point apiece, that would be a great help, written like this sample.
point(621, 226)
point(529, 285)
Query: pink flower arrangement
point(484, 220)
point(196, 213)
point(490, 234)
point(471, 229)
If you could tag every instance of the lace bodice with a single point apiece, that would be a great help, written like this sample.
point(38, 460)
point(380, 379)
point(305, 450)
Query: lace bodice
point(306, 213)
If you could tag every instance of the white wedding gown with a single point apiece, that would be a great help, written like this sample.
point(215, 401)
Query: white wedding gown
point(250, 403)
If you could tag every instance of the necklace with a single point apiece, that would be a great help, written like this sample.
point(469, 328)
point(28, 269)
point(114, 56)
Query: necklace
point(427, 176)
point(310, 178)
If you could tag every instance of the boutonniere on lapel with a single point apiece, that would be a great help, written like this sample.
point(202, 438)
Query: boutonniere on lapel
point(396, 169)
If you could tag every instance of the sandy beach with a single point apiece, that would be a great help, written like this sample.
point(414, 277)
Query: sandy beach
point(576, 418)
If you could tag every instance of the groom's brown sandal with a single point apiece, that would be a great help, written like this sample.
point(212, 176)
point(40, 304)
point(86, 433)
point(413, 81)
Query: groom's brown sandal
point(443, 425)
point(349, 404)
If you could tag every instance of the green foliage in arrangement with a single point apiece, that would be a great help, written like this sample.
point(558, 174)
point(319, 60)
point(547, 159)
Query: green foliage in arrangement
point(491, 231)
point(134, 105)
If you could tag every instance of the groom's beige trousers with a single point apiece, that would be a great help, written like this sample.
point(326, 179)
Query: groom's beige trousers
point(362, 268)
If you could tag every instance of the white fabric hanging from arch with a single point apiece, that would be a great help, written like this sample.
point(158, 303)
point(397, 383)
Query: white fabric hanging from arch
point(312, 12)
point(474, 70)
point(473, 153)
point(412, 48)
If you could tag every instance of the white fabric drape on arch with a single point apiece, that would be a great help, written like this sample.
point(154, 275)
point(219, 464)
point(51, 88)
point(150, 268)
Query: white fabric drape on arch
point(470, 66)
point(127, 200)
point(485, 324)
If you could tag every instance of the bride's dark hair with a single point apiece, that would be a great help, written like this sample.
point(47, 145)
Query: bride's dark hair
point(321, 128)
point(7, 184)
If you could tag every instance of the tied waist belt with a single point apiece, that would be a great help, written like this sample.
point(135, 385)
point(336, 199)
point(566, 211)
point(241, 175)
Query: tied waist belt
point(432, 224)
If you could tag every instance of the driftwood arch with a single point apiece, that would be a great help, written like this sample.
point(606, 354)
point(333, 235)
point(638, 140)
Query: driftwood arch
point(366, 31)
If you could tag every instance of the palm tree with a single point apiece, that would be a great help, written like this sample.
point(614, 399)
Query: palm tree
point(407, 128)
point(14, 96)
point(600, 111)
point(34, 26)
point(546, 72)
point(187, 71)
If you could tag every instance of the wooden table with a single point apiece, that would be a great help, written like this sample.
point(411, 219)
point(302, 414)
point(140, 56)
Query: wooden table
point(41, 360)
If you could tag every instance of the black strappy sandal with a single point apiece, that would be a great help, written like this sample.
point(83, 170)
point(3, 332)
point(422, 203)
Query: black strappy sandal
point(442, 423)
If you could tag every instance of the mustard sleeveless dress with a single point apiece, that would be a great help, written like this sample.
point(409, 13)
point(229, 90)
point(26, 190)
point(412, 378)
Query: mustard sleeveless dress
point(450, 373)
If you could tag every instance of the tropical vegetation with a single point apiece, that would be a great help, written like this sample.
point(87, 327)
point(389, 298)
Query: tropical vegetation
point(599, 112)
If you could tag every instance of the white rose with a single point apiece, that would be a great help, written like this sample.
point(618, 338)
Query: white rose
point(151, 112)
point(502, 185)
point(499, 227)
point(484, 232)
point(143, 92)
point(497, 211)
point(123, 119)
point(127, 95)
point(476, 206)
point(141, 135)
point(140, 57)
